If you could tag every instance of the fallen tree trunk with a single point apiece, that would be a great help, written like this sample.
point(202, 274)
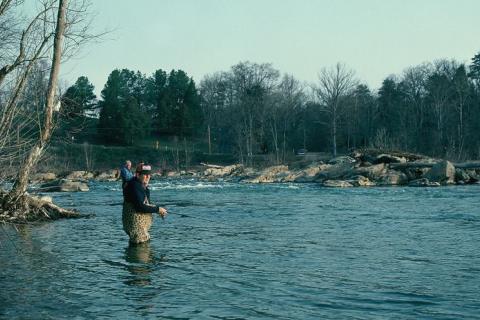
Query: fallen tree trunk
point(468, 165)
point(419, 165)
point(31, 208)
point(408, 165)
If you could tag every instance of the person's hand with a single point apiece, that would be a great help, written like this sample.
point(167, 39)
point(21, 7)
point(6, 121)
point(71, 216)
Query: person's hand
point(162, 212)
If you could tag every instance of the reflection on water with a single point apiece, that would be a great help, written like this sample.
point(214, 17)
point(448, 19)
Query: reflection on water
point(139, 264)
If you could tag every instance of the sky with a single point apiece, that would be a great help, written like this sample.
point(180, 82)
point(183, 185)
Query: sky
point(375, 38)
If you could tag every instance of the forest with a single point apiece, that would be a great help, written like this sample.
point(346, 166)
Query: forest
point(253, 109)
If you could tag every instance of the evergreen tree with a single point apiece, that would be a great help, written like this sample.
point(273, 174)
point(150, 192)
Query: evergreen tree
point(475, 68)
point(78, 98)
point(122, 117)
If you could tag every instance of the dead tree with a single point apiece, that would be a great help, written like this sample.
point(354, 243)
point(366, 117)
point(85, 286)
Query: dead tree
point(334, 85)
point(36, 44)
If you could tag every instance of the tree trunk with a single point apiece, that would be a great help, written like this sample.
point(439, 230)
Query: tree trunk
point(21, 182)
point(209, 141)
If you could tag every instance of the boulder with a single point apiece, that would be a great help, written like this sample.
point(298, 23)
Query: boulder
point(461, 176)
point(423, 182)
point(310, 174)
point(64, 185)
point(373, 172)
point(222, 171)
point(173, 174)
point(110, 175)
point(415, 173)
point(48, 176)
point(342, 160)
point(442, 172)
point(388, 158)
point(76, 175)
point(393, 178)
point(271, 174)
point(473, 174)
point(337, 184)
point(361, 181)
point(335, 172)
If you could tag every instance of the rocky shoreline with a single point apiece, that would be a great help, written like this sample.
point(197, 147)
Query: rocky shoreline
point(360, 169)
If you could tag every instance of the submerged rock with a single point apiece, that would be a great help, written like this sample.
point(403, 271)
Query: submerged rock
point(423, 182)
point(337, 184)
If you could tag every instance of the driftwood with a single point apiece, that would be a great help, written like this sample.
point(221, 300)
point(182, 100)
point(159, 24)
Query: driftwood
point(370, 152)
point(214, 166)
point(408, 165)
point(30, 209)
point(468, 165)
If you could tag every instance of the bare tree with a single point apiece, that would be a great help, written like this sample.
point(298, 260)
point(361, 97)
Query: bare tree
point(287, 104)
point(42, 37)
point(334, 84)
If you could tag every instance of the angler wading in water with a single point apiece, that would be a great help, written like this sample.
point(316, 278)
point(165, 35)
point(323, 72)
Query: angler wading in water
point(137, 215)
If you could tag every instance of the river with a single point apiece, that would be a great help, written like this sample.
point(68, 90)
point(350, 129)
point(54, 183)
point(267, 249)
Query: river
point(240, 251)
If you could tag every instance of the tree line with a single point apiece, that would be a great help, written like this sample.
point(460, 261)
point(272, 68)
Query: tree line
point(253, 109)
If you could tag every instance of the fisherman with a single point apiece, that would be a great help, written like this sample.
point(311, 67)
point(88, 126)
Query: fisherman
point(137, 210)
point(125, 173)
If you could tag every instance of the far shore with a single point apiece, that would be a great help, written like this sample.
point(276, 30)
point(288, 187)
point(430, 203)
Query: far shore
point(359, 169)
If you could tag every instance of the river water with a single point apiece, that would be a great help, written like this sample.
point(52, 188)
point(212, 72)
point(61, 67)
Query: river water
point(239, 251)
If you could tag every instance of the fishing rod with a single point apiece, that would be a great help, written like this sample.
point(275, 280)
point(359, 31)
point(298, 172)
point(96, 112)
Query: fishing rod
point(170, 212)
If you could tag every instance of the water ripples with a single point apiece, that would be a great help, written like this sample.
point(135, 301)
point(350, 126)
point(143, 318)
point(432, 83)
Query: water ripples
point(238, 251)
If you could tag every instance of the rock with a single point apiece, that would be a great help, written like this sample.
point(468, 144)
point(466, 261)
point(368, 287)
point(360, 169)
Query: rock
point(388, 158)
point(393, 178)
point(423, 182)
point(337, 184)
point(474, 176)
point(110, 175)
point(442, 172)
point(361, 181)
point(48, 176)
point(172, 174)
point(271, 174)
point(75, 175)
point(342, 160)
point(415, 173)
point(223, 171)
point(310, 174)
point(461, 176)
point(64, 185)
point(373, 172)
point(335, 172)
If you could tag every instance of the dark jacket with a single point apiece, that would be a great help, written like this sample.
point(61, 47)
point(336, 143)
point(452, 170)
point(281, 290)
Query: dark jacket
point(136, 194)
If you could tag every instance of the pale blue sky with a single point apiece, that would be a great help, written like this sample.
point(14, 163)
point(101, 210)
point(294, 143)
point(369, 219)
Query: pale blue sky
point(376, 38)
